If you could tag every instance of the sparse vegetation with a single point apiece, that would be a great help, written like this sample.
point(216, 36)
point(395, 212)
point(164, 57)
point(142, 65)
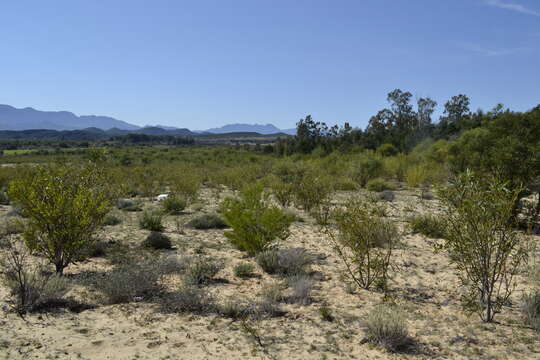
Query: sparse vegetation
point(285, 262)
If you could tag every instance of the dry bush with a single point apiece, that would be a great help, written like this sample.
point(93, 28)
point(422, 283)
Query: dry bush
point(28, 283)
point(201, 271)
point(244, 270)
point(301, 287)
point(157, 241)
point(531, 309)
point(387, 326)
point(189, 299)
point(285, 262)
point(208, 221)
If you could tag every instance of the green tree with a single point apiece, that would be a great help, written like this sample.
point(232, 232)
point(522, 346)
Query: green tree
point(65, 205)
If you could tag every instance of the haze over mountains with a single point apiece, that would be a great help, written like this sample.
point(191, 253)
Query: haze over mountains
point(28, 118)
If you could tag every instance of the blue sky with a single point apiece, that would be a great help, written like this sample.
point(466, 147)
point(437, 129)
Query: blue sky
point(200, 64)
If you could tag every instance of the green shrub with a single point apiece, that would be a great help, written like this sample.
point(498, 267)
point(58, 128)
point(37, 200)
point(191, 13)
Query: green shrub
point(365, 242)
point(151, 221)
point(65, 206)
point(205, 222)
point(378, 185)
point(387, 150)
point(156, 240)
point(428, 225)
point(282, 191)
point(256, 223)
point(111, 220)
point(365, 170)
point(387, 327)
point(174, 205)
point(244, 270)
point(326, 313)
point(312, 191)
point(482, 241)
point(202, 271)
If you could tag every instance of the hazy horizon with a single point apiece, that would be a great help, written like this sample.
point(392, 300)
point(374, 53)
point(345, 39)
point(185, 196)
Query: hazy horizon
point(204, 64)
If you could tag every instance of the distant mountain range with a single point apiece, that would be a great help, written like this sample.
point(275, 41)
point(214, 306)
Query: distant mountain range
point(28, 118)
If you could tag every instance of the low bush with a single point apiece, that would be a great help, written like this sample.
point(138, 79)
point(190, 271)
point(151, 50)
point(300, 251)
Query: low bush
point(132, 280)
point(111, 220)
point(378, 185)
point(157, 241)
point(531, 309)
point(4, 199)
point(201, 271)
point(244, 270)
point(428, 225)
point(387, 195)
point(285, 262)
point(205, 222)
point(235, 309)
point(189, 299)
point(151, 221)
point(127, 205)
point(387, 327)
point(96, 249)
point(27, 281)
point(301, 287)
point(174, 205)
point(326, 313)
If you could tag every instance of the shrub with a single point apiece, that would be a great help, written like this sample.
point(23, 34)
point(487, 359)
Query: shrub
point(365, 242)
point(205, 222)
point(4, 199)
point(128, 205)
point(387, 327)
point(235, 309)
point(312, 191)
point(416, 175)
point(174, 205)
point(189, 299)
point(65, 206)
point(256, 224)
point(378, 185)
point(132, 280)
point(387, 195)
point(387, 150)
point(285, 262)
point(365, 170)
point(326, 313)
point(301, 286)
point(111, 220)
point(97, 249)
point(428, 225)
point(157, 241)
point(151, 221)
point(282, 191)
point(27, 282)
point(482, 242)
point(244, 270)
point(187, 185)
point(531, 309)
point(202, 271)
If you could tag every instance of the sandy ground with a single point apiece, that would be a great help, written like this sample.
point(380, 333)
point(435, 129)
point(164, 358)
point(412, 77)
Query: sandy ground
point(424, 284)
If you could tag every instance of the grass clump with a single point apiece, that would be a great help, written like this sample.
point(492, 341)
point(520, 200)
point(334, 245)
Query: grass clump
point(173, 205)
point(157, 241)
point(301, 287)
point(428, 225)
point(244, 270)
point(326, 313)
point(201, 271)
point(207, 221)
point(256, 223)
point(128, 205)
point(133, 281)
point(387, 326)
point(189, 299)
point(285, 262)
point(378, 185)
point(531, 309)
point(151, 221)
point(111, 220)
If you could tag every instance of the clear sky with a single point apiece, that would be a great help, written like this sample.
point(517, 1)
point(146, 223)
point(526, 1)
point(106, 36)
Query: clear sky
point(201, 63)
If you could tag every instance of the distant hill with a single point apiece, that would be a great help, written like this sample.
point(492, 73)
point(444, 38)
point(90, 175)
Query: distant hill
point(28, 118)
point(249, 128)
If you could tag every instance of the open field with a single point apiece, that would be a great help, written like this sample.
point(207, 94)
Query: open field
point(423, 284)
